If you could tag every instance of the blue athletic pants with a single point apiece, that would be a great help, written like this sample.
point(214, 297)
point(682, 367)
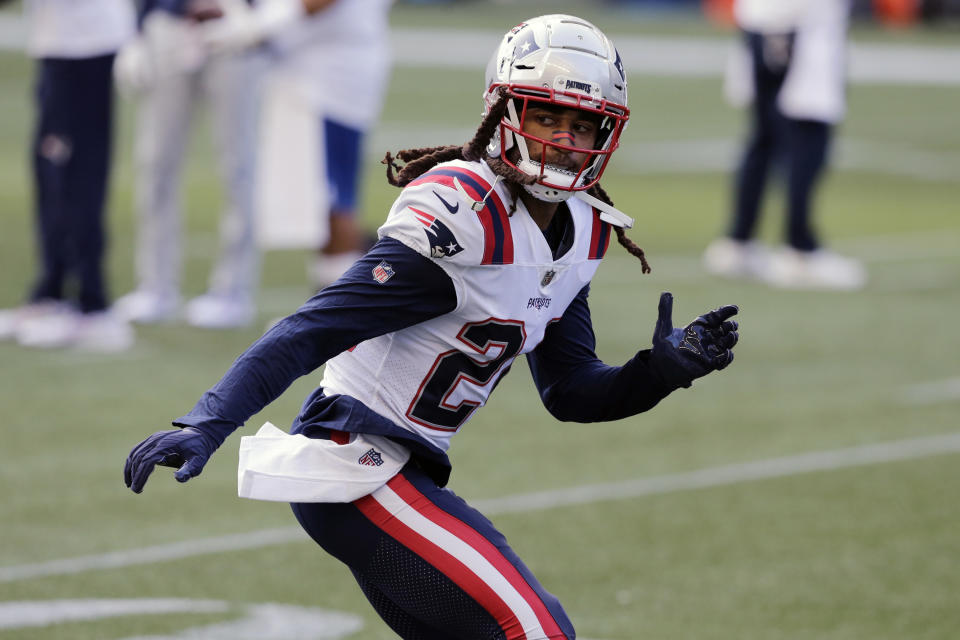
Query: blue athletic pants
point(71, 160)
point(432, 566)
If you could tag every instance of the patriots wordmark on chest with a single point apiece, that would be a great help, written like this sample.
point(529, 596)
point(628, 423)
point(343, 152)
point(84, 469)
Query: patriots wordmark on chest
point(539, 303)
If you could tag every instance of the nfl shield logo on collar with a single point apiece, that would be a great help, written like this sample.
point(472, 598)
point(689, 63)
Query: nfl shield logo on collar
point(382, 272)
point(548, 277)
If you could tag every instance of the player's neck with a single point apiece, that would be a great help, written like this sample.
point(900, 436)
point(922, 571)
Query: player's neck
point(541, 212)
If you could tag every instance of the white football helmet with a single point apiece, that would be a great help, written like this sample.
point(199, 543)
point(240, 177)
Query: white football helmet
point(564, 61)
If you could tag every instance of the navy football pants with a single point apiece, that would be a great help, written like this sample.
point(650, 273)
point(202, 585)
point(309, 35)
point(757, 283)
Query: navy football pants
point(71, 162)
point(800, 144)
point(433, 567)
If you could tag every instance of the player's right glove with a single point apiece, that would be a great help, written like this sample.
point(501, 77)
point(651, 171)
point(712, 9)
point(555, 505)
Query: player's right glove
point(704, 345)
point(186, 449)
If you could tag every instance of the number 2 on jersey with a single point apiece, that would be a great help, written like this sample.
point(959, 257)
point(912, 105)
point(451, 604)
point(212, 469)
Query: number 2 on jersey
point(431, 406)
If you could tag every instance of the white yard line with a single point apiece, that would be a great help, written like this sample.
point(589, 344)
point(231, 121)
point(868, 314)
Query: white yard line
point(705, 155)
point(872, 63)
point(875, 63)
point(150, 555)
point(932, 392)
point(523, 503)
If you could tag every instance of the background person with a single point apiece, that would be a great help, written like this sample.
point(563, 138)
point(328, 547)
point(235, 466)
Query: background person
point(792, 75)
point(75, 44)
point(171, 73)
point(329, 63)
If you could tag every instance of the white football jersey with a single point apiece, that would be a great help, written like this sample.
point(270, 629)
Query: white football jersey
point(314, 52)
point(78, 28)
point(431, 377)
point(783, 16)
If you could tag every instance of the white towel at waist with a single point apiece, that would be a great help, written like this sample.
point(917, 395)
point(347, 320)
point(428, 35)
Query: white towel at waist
point(277, 466)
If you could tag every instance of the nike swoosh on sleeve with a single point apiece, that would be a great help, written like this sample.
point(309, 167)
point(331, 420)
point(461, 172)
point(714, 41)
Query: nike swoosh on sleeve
point(451, 208)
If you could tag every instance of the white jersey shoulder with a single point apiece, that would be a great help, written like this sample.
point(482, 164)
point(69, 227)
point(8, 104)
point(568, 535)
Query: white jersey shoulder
point(456, 211)
point(78, 28)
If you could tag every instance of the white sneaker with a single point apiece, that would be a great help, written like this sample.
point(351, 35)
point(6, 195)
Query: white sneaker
point(49, 330)
point(102, 331)
point(818, 269)
point(327, 269)
point(211, 311)
point(12, 319)
point(736, 259)
point(146, 307)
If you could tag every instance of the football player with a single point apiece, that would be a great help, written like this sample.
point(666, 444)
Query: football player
point(486, 254)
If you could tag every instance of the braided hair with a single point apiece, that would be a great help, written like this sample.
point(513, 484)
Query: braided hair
point(416, 162)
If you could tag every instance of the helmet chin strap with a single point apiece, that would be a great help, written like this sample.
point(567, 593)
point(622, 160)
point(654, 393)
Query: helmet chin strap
point(607, 213)
point(541, 191)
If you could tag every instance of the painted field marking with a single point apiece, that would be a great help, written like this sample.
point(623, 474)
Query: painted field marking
point(672, 56)
point(264, 621)
point(932, 392)
point(150, 555)
point(699, 155)
point(40, 613)
point(522, 503)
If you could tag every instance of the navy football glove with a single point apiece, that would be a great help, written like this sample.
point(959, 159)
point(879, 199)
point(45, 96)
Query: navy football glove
point(186, 449)
point(704, 345)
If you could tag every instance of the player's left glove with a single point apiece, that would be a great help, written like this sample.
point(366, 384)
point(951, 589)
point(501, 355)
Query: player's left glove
point(243, 26)
point(186, 449)
point(704, 345)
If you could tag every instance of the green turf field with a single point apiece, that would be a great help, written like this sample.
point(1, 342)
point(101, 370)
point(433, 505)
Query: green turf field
point(803, 493)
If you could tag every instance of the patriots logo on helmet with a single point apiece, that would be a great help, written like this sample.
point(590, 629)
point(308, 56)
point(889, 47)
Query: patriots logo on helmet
point(524, 45)
point(443, 243)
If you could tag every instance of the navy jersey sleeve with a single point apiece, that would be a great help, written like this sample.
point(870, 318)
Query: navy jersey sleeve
point(355, 308)
point(575, 385)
